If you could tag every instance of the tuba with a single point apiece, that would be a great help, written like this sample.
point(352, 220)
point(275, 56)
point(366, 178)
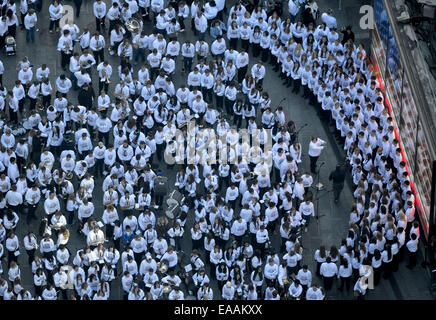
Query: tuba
point(133, 25)
point(69, 175)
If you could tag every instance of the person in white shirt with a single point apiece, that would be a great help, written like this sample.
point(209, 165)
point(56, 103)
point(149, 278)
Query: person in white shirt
point(56, 11)
point(314, 293)
point(99, 9)
point(258, 72)
point(316, 145)
point(97, 44)
point(30, 21)
point(328, 271)
point(218, 47)
point(329, 20)
point(95, 237)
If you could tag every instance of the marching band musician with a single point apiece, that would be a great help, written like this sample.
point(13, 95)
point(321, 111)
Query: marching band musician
point(140, 43)
point(113, 15)
point(33, 93)
point(97, 45)
point(86, 61)
point(65, 46)
point(84, 39)
point(99, 8)
point(104, 72)
point(56, 12)
point(63, 86)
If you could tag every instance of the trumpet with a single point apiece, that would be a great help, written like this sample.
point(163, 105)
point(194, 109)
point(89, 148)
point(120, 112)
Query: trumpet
point(133, 25)
point(67, 48)
point(119, 95)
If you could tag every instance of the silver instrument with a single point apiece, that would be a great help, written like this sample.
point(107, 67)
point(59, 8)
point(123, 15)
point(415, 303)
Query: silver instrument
point(134, 25)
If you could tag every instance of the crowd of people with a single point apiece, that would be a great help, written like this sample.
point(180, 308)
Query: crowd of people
point(120, 138)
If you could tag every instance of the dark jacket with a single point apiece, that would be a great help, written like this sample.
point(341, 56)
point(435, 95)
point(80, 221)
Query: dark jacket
point(338, 176)
point(85, 97)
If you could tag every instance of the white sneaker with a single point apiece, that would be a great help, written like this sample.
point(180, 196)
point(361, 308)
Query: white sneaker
point(104, 172)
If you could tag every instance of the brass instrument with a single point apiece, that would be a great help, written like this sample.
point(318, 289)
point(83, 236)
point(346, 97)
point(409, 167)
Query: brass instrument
point(133, 25)
point(119, 95)
point(105, 76)
point(67, 48)
point(69, 175)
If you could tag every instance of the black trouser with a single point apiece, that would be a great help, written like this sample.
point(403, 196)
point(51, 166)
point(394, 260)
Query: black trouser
point(387, 269)
point(65, 59)
point(12, 30)
point(138, 257)
point(306, 92)
point(377, 273)
point(395, 262)
point(187, 64)
point(99, 167)
point(46, 100)
point(256, 49)
point(31, 209)
point(78, 4)
point(313, 161)
point(98, 55)
point(245, 44)
point(328, 283)
point(117, 244)
point(99, 23)
point(412, 259)
point(159, 151)
point(11, 257)
point(153, 73)
point(297, 85)
point(70, 217)
point(13, 116)
point(345, 281)
point(38, 290)
point(109, 231)
point(31, 255)
point(196, 244)
point(337, 189)
point(219, 102)
point(54, 23)
point(181, 22)
point(104, 136)
point(241, 73)
point(207, 94)
point(63, 293)
point(237, 120)
point(229, 105)
point(233, 43)
point(103, 85)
